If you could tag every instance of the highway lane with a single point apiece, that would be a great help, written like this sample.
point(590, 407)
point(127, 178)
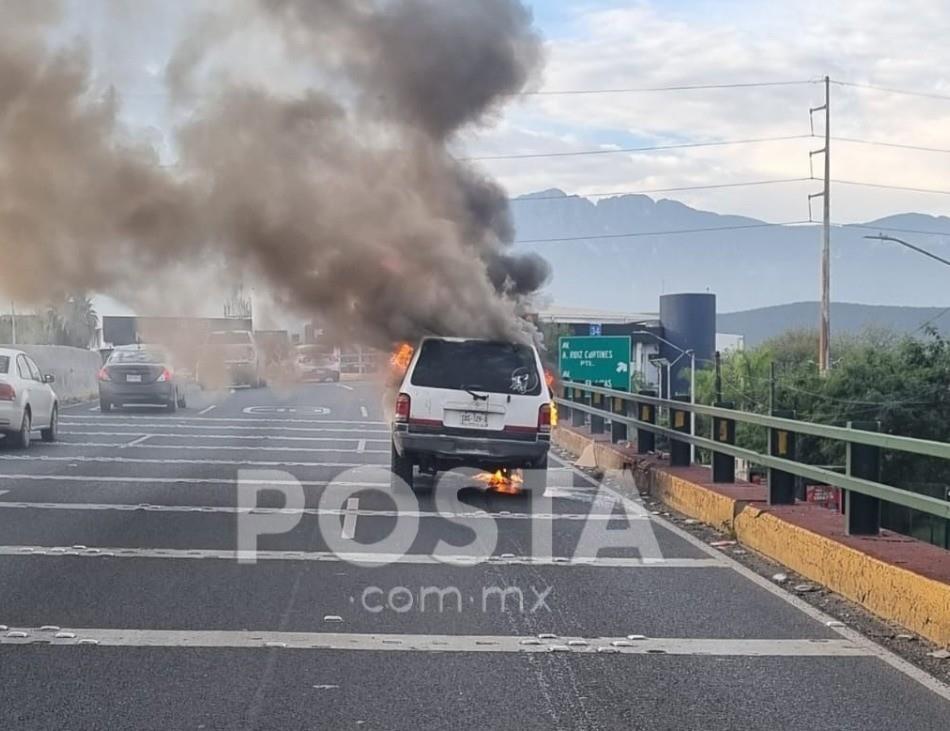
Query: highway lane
point(124, 604)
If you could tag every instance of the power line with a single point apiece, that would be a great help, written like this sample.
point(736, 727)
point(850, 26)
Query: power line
point(931, 321)
point(892, 90)
point(681, 87)
point(716, 186)
point(898, 145)
point(652, 148)
point(893, 229)
point(637, 234)
point(890, 187)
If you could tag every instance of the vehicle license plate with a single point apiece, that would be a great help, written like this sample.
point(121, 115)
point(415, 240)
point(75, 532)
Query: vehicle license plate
point(133, 379)
point(474, 419)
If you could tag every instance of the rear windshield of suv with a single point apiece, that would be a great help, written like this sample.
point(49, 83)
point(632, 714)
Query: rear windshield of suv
point(477, 365)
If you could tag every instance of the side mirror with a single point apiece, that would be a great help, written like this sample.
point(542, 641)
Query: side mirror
point(49, 378)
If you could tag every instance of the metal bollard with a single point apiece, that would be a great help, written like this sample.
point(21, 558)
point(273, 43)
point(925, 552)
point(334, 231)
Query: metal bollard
point(597, 422)
point(724, 431)
point(680, 422)
point(782, 444)
point(578, 417)
point(618, 430)
point(564, 412)
point(863, 512)
point(646, 440)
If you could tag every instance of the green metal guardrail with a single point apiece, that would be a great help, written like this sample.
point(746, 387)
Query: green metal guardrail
point(868, 443)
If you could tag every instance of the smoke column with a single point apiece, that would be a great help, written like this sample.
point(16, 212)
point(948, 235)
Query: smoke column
point(343, 197)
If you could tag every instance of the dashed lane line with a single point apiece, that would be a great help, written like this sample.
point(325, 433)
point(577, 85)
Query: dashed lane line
point(245, 419)
point(220, 462)
point(361, 445)
point(352, 509)
point(137, 442)
point(364, 412)
point(336, 641)
point(216, 428)
point(349, 518)
point(207, 410)
point(229, 437)
point(368, 558)
point(209, 447)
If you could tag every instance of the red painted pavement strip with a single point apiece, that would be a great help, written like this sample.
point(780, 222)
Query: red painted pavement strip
point(892, 548)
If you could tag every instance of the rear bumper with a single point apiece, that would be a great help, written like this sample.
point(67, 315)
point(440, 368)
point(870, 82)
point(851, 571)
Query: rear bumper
point(475, 450)
point(11, 416)
point(146, 393)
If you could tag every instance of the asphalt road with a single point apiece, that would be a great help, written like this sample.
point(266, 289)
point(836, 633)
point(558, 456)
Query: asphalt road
point(243, 565)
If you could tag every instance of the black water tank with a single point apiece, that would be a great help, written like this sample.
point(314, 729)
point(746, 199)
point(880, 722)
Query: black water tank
point(689, 322)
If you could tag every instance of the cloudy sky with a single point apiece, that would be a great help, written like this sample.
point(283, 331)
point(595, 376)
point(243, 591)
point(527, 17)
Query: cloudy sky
point(616, 44)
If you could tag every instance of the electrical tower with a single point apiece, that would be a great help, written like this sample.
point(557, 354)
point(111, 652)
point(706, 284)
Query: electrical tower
point(824, 316)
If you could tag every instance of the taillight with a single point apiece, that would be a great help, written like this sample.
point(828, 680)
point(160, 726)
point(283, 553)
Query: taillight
point(104, 375)
point(403, 406)
point(165, 377)
point(544, 418)
point(7, 392)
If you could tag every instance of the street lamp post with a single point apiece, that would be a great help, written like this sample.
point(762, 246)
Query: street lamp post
point(692, 382)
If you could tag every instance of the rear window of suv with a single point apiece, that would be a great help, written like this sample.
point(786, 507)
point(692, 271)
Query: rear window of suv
point(477, 365)
point(4, 363)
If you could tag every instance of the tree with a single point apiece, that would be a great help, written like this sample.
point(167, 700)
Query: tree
point(72, 321)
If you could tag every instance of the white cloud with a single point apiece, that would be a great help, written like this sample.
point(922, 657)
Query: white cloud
point(657, 44)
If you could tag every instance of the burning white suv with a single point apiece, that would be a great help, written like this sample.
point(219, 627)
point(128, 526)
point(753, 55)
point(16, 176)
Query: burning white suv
point(473, 403)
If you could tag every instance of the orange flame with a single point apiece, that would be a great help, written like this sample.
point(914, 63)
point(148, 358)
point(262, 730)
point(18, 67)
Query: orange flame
point(401, 357)
point(549, 378)
point(505, 481)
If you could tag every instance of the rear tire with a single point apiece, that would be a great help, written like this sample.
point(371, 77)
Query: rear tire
point(182, 401)
point(536, 477)
point(49, 434)
point(401, 470)
point(105, 406)
point(21, 439)
point(172, 406)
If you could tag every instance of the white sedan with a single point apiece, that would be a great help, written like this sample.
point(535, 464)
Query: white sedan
point(26, 400)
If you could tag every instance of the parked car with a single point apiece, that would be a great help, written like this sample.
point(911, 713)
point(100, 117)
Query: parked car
point(140, 374)
point(27, 402)
point(473, 403)
point(318, 363)
point(230, 358)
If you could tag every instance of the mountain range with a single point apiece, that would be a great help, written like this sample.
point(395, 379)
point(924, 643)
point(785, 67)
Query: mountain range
point(621, 253)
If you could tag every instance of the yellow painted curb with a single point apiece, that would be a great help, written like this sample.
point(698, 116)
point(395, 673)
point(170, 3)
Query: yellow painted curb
point(695, 501)
point(891, 592)
point(604, 457)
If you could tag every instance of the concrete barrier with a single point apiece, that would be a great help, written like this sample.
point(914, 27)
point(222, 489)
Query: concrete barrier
point(75, 369)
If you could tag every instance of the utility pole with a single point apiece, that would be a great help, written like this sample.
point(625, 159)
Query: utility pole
point(824, 317)
point(13, 322)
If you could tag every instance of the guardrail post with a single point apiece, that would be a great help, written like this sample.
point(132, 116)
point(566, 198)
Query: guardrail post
point(618, 430)
point(724, 431)
point(597, 422)
point(782, 444)
point(564, 412)
point(863, 512)
point(646, 440)
point(679, 421)
point(578, 417)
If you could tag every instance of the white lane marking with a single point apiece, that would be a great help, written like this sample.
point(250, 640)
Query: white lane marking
point(898, 663)
point(94, 408)
point(133, 443)
point(4, 492)
point(344, 386)
point(364, 557)
point(207, 410)
point(207, 447)
point(364, 412)
point(229, 437)
point(166, 425)
point(140, 460)
point(95, 479)
point(267, 410)
point(352, 508)
point(174, 420)
point(349, 518)
point(434, 643)
point(361, 445)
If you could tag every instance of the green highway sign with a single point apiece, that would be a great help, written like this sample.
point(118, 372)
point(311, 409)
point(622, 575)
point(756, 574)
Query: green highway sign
point(598, 361)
